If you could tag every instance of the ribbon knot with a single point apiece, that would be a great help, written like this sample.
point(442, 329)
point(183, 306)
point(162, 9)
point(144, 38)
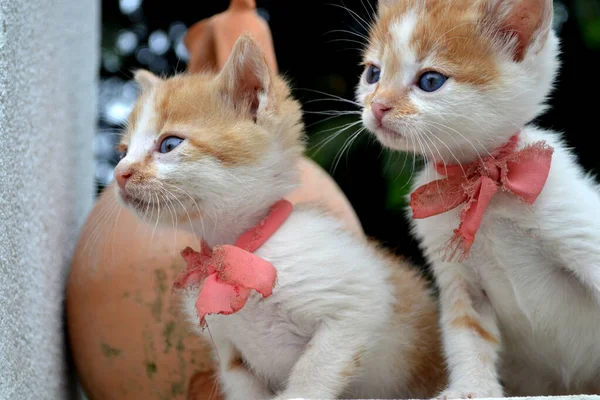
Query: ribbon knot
point(523, 173)
point(227, 273)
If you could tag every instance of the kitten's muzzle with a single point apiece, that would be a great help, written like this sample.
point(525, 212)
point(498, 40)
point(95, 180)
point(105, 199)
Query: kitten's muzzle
point(122, 176)
point(379, 110)
point(134, 201)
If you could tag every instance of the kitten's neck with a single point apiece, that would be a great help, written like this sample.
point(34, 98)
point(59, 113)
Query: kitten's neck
point(472, 150)
point(220, 228)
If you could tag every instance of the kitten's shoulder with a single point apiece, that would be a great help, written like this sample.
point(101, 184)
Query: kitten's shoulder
point(318, 211)
point(532, 133)
point(564, 158)
point(331, 224)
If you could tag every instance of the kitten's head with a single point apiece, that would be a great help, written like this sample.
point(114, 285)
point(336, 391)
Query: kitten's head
point(208, 144)
point(452, 78)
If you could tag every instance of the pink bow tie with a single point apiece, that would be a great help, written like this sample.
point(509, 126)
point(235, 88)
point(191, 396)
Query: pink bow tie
point(522, 173)
point(227, 273)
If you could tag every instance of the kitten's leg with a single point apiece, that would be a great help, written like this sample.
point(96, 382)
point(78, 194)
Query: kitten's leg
point(236, 380)
point(470, 334)
point(329, 361)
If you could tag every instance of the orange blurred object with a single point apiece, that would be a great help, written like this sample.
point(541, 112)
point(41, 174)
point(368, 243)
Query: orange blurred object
point(211, 40)
point(128, 337)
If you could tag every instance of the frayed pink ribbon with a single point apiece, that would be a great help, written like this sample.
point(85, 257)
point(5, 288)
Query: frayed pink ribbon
point(522, 173)
point(227, 273)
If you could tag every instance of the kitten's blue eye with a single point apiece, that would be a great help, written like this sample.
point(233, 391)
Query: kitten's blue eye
point(372, 74)
point(431, 81)
point(169, 143)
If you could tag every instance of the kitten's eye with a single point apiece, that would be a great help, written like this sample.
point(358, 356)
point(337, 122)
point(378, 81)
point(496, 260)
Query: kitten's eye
point(122, 154)
point(372, 74)
point(169, 143)
point(431, 81)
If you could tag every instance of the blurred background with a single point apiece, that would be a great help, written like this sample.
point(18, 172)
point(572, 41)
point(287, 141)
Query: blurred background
point(318, 47)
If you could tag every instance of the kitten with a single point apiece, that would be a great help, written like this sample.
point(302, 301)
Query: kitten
point(453, 81)
point(345, 318)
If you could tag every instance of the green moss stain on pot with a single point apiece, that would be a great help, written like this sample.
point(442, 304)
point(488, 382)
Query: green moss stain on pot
point(109, 352)
point(160, 281)
point(168, 333)
point(179, 376)
point(177, 389)
point(149, 354)
point(156, 308)
point(160, 287)
point(151, 369)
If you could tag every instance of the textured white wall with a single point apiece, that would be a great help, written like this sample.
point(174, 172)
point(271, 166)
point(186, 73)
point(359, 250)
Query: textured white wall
point(49, 54)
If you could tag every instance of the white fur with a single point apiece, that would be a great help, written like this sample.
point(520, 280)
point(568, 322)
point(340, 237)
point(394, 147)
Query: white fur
point(332, 302)
point(533, 276)
point(402, 32)
point(145, 139)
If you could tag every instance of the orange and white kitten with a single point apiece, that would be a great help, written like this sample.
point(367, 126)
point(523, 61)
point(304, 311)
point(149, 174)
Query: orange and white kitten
point(345, 319)
point(453, 80)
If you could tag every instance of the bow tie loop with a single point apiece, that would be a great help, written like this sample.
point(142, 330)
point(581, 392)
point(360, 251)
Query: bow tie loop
point(228, 273)
point(522, 173)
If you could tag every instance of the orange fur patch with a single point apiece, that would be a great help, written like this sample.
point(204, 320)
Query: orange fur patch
point(450, 32)
point(415, 306)
point(236, 362)
point(350, 370)
point(204, 385)
point(193, 106)
point(471, 323)
point(447, 31)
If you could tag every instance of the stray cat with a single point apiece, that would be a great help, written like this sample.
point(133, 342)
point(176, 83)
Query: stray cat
point(344, 318)
point(457, 81)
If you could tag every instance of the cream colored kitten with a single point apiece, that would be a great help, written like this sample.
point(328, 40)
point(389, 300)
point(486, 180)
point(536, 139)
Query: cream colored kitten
point(345, 319)
point(453, 80)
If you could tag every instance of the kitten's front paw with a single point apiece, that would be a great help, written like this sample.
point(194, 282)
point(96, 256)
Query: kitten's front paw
point(459, 393)
point(286, 397)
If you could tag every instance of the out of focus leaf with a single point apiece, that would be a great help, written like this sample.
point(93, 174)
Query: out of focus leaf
point(398, 169)
point(588, 16)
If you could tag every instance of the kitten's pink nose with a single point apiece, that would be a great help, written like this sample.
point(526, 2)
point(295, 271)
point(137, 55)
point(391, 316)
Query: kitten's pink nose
point(122, 176)
point(379, 110)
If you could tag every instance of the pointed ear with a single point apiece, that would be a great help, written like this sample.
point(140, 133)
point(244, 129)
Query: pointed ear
point(525, 22)
point(146, 79)
point(246, 78)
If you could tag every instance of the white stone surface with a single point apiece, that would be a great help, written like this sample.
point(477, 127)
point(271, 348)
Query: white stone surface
point(49, 54)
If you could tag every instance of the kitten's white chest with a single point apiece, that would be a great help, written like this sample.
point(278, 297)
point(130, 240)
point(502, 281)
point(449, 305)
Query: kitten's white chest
point(316, 285)
point(544, 313)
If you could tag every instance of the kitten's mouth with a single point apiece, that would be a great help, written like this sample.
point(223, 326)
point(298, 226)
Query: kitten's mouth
point(388, 134)
point(135, 202)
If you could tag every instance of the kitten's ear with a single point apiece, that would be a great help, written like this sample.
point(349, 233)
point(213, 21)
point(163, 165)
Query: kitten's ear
point(527, 22)
point(246, 78)
point(146, 79)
